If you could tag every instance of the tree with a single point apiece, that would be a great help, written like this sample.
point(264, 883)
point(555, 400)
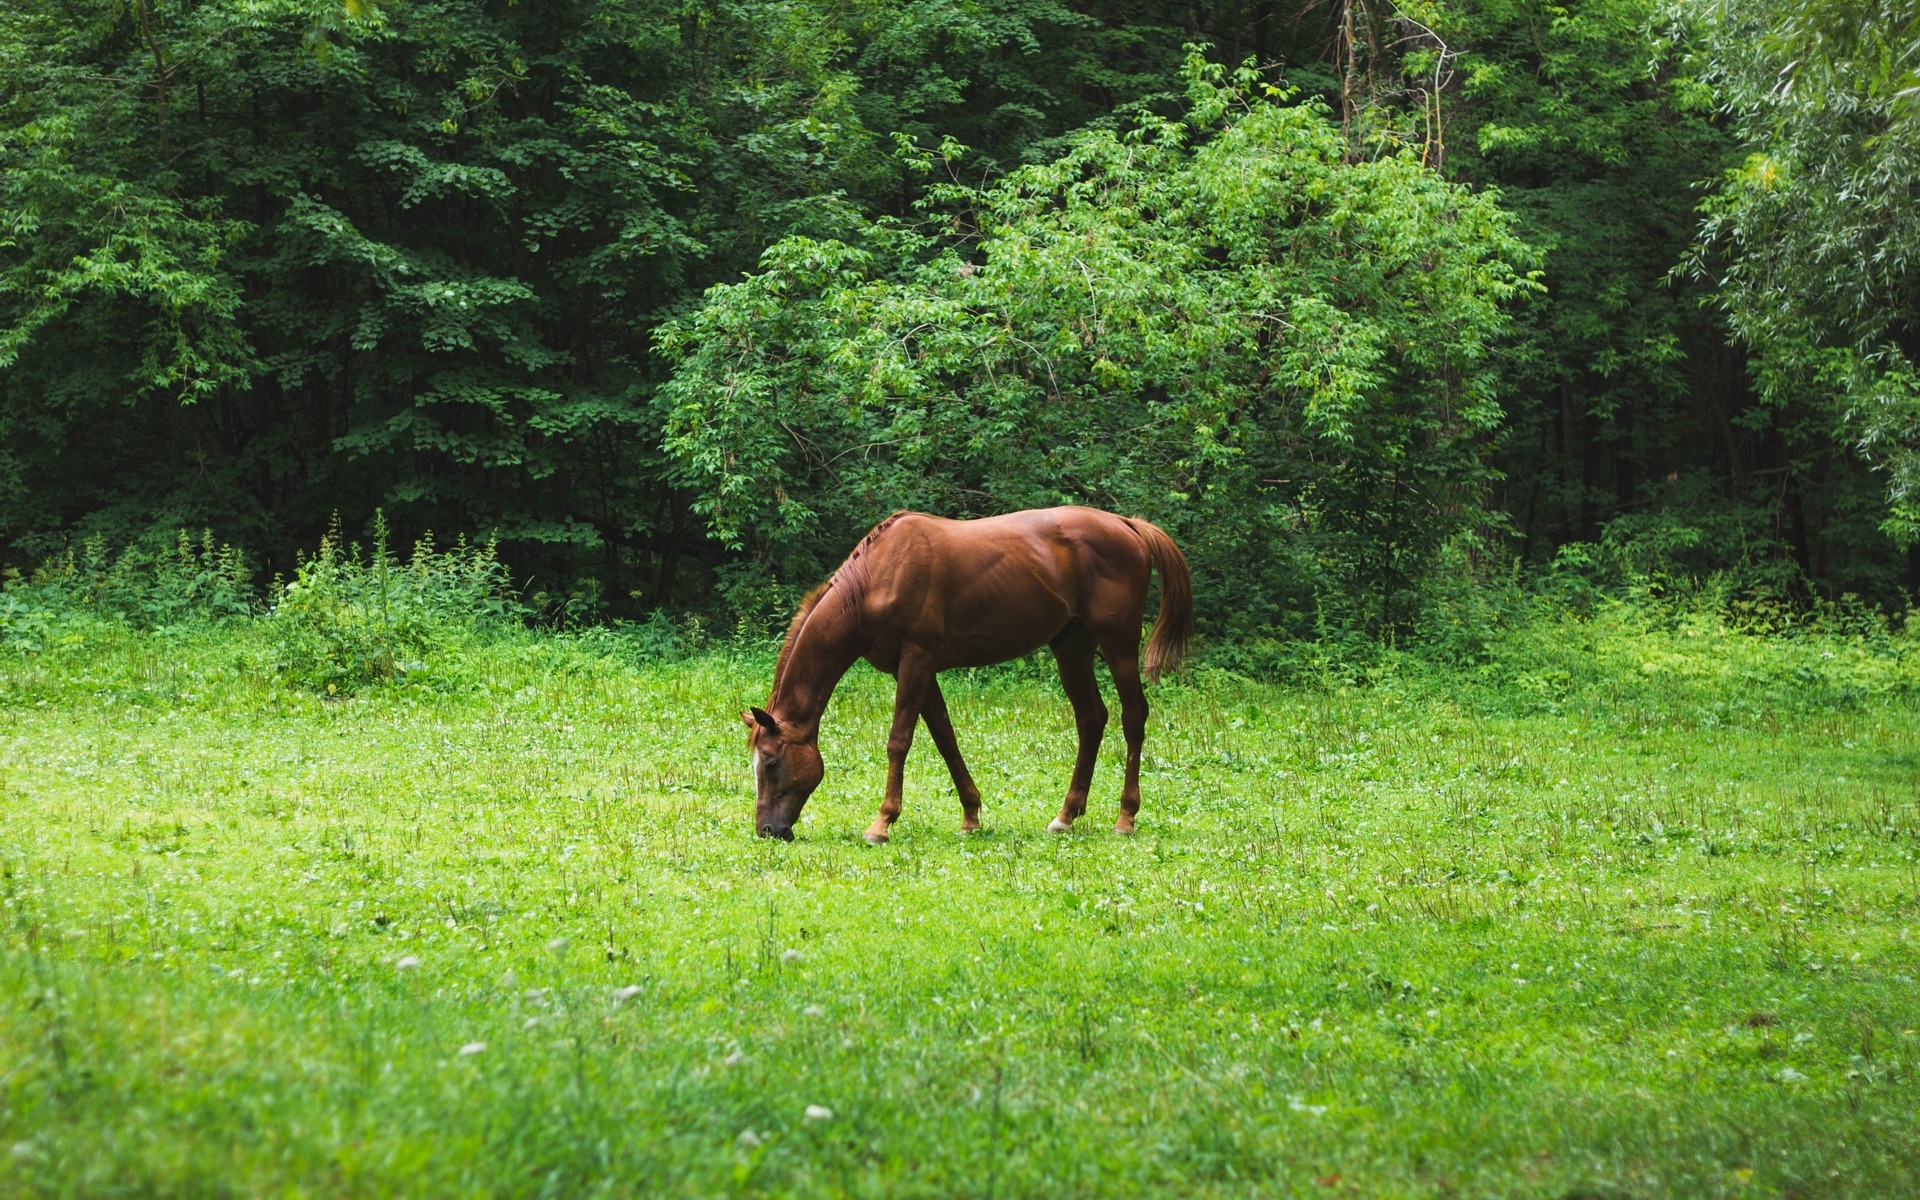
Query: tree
point(265, 262)
point(1814, 240)
point(1222, 323)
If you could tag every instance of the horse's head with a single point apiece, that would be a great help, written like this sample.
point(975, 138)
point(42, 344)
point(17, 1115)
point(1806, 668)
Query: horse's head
point(786, 769)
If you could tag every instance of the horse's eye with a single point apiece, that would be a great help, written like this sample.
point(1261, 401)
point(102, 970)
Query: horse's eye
point(770, 766)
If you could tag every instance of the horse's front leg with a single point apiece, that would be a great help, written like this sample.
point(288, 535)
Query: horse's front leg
point(912, 678)
point(934, 711)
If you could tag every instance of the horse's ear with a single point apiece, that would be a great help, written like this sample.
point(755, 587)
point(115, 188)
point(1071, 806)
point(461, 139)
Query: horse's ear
point(761, 717)
point(747, 716)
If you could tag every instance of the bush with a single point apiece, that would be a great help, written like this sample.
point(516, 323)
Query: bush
point(350, 619)
point(1698, 659)
point(1229, 324)
point(145, 586)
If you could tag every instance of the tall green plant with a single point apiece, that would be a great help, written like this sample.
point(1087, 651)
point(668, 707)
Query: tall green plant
point(1225, 323)
point(350, 618)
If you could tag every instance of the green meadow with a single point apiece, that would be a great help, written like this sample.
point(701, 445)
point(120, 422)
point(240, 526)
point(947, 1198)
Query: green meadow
point(1627, 909)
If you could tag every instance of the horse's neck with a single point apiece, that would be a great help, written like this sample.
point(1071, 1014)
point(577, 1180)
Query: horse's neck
point(826, 647)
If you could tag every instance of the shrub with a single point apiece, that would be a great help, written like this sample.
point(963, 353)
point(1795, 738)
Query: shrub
point(146, 586)
point(1228, 324)
point(351, 618)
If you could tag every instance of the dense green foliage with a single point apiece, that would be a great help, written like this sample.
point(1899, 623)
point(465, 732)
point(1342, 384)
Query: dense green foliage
point(1817, 234)
point(345, 622)
point(1617, 379)
point(1630, 910)
point(260, 263)
point(190, 580)
point(266, 265)
point(1221, 324)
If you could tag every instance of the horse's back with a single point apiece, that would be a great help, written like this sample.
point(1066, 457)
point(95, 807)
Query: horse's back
point(1067, 548)
point(982, 591)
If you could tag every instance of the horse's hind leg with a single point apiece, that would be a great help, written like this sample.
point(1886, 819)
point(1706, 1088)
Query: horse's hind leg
point(1124, 663)
point(1073, 653)
point(933, 710)
point(911, 680)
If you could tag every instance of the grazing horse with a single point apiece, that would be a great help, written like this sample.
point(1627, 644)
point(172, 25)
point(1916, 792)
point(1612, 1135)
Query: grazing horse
point(921, 594)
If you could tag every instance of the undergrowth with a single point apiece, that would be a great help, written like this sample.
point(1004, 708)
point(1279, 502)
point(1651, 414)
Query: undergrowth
point(350, 618)
point(143, 586)
point(359, 617)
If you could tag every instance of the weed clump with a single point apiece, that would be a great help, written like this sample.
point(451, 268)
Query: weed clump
point(148, 585)
point(352, 618)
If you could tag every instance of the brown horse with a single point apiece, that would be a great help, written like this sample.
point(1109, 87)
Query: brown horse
point(922, 594)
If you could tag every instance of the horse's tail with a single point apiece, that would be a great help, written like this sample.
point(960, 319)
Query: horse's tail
point(1173, 626)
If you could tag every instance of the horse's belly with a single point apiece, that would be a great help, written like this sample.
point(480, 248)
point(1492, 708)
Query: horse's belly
point(972, 649)
point(981, 638)
point(979, 655)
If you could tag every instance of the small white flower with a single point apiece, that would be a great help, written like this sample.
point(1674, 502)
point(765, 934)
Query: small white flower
point(748, 1139)
point(812, 1010)
point(531, 1022)
point(1789, 1075)
point(406, 962)
point(791, 956)
point(472, 1048)
point(559, 945)
point(734, 1059)
point(819, 1112)
point(628, 992)
point(1312, 1110)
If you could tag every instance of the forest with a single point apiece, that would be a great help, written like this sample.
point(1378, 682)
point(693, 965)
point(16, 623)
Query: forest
point(1368, 304)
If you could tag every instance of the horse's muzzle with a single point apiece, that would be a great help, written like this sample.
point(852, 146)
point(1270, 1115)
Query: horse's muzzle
point(784, 832)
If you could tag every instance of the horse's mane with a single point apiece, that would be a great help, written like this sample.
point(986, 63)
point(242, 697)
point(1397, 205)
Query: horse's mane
point(807, 604)
point(849, 582)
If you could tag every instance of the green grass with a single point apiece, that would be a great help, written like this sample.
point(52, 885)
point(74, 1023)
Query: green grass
point(1629, 912)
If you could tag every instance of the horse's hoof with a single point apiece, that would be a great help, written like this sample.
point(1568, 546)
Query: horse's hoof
point(1058, 826)
point(875, 839)
point(967, 829)
point(1126, 829)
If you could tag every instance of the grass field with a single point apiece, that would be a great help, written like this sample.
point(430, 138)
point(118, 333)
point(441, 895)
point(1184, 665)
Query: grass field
point(1640, 922)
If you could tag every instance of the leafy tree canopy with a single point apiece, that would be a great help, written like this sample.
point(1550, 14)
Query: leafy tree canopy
point(1814, 240)
point(266, 261)
point(1224, 322)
